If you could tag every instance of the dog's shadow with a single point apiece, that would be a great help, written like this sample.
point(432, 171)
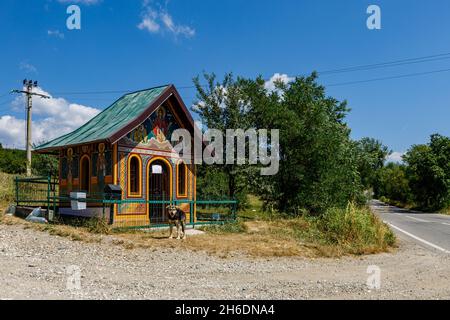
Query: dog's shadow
point(159, 237)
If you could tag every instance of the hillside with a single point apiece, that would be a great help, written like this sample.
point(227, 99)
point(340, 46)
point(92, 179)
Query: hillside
point(13, 161)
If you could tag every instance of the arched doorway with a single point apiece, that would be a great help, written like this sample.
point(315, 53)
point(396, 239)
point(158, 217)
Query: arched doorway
point(159, 188)
point(85, 174)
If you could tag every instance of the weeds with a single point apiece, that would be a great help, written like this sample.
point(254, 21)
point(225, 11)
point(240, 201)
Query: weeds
point(98, 226)
point(356, 230)
point(228, 227)
point(6, 188)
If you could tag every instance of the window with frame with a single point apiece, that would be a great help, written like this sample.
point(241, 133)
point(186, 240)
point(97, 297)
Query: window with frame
point(134, 176)
point(182, 180)
point(85, 174)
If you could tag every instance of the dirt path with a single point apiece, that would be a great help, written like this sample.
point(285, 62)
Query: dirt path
point(34, 265)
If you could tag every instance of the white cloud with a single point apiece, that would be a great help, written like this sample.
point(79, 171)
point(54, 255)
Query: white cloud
point(27, 67)
point(55, 33)
point(176, 29)
point(270, 84)
point(149, 22)
point(158, 20)
point(395, 157)
point(51, 118)
point(12, 132)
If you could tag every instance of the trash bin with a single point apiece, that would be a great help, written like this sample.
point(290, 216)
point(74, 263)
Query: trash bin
point(112, 192)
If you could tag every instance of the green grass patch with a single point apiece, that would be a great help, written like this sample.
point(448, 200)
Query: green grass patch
point(355, 230)
point(7, 189)
point(237, 226)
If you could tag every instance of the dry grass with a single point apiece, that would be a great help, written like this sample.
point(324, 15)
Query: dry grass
point(354, 231)
point(340, 232)
point(73, 233)
point(280, 238)
point(6, 190)
point(262, 243)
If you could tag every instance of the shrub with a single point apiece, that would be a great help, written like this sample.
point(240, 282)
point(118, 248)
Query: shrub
point(6, 188)
point(97, 225)
point(355, 229)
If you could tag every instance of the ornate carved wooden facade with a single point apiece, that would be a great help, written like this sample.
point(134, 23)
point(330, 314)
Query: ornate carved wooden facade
point(129, 144)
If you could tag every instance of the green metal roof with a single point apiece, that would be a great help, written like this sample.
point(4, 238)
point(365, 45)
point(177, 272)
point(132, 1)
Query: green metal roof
point(110, 120)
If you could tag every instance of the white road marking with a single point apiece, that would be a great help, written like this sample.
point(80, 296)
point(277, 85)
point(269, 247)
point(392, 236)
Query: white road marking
point(447, 224)
point(418, 239)
point(417, 219)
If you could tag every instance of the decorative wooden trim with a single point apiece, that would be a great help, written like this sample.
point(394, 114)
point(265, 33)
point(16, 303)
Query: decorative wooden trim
point(195, 192)
point(186, 176)
point(163, 97)
point(175, 114)
point(59, 166)
point(114, 178)
point(149, 152)
point(122, 170)
point(115, 163)
point(132, 213)
point(139, 193)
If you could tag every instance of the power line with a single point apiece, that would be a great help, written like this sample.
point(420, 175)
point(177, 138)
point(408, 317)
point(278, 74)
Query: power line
point(68, 93)
point(28, 91)
point(388, 78)
point(93, 92)
point(395, 63)
point(388, 64)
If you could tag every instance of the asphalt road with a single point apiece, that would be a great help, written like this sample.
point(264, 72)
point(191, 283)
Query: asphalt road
point(430, 230)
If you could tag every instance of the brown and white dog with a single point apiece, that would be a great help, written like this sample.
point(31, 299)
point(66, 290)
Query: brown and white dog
point(177, 217)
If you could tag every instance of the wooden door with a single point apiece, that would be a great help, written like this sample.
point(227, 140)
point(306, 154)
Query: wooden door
point(159, 189)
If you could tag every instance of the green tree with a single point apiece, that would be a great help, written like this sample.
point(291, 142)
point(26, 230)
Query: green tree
point(371, 156)
point(221, 105)
point(429, 172)
point(318, 160)
point(392, 182)
point(13, 161)
point(45, 165)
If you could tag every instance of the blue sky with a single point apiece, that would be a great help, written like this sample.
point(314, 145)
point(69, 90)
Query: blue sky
point(129, 45)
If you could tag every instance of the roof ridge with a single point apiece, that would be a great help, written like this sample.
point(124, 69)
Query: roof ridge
point(152, 88)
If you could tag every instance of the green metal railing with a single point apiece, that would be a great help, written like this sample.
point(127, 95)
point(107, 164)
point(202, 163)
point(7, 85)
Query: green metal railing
point(36, 191)
point(43, 192)
point(208, 211)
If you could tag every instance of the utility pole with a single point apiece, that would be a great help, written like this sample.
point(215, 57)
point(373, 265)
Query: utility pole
point(28, 90)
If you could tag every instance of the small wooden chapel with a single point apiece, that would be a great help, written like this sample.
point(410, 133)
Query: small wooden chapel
point(129, 145)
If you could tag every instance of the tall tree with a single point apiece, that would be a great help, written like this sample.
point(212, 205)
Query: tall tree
point(318, 161)
point(371, 156)
point(392, 182)
point(429, 172)
point(221, 105)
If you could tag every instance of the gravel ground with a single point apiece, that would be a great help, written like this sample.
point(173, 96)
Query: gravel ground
point(35, 265)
